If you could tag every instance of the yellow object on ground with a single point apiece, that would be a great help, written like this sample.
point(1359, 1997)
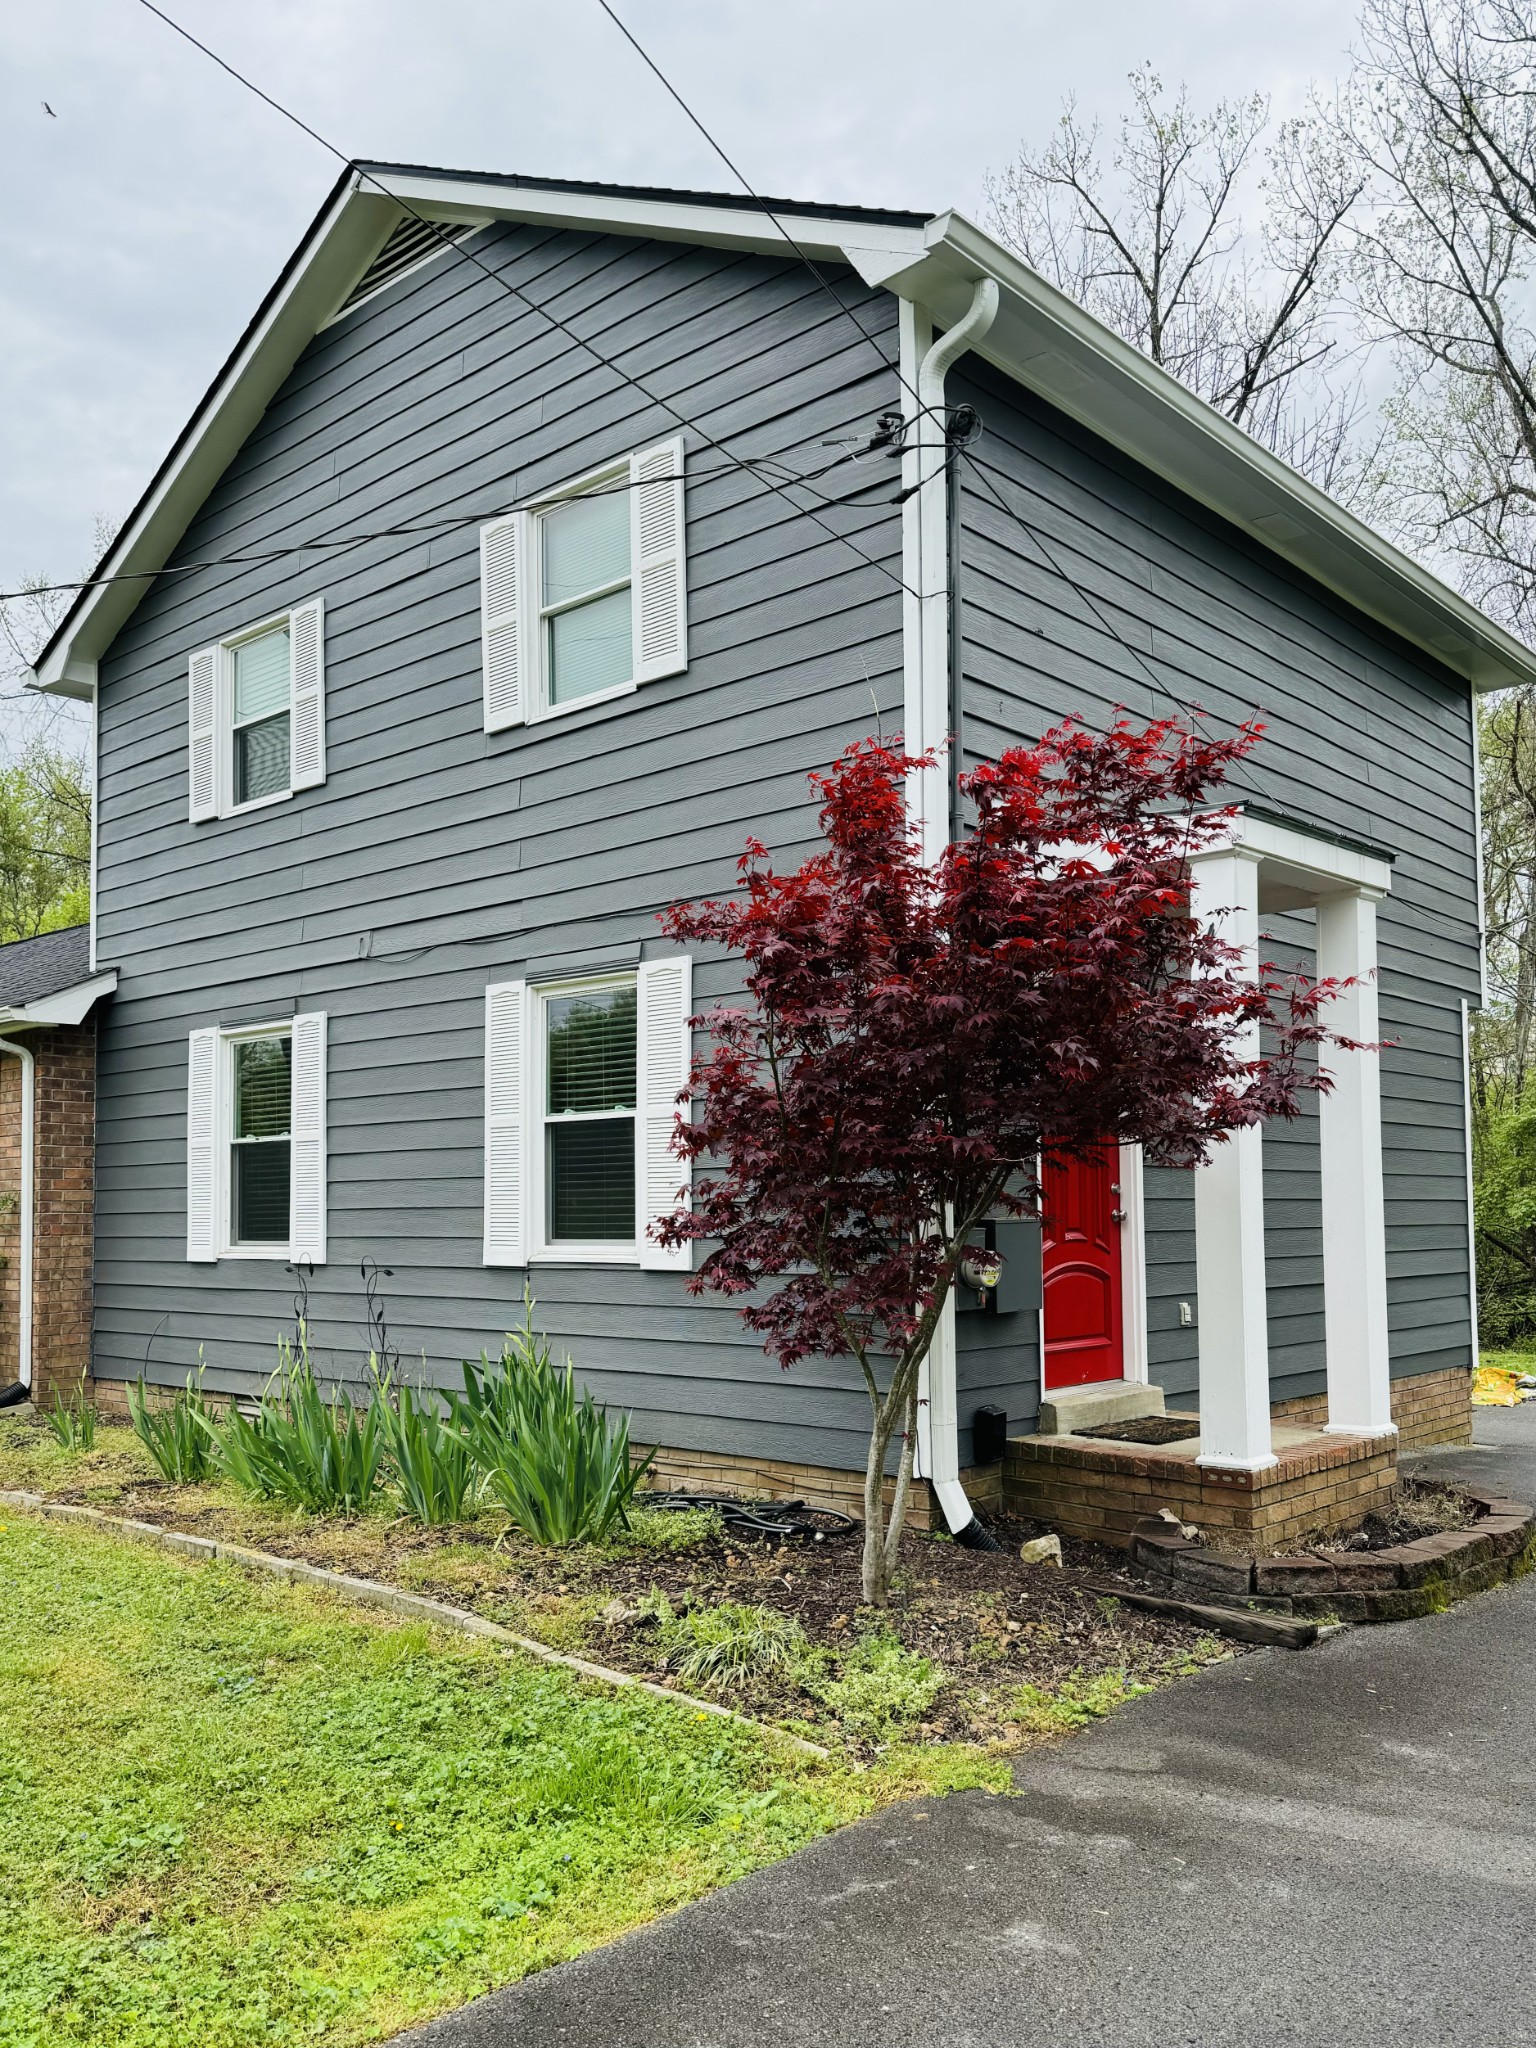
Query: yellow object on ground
point(1494, 1387)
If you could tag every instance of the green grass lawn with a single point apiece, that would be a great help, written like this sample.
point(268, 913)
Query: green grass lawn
point(234, 1811)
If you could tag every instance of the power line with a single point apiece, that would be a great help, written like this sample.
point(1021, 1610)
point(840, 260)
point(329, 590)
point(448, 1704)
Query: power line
point(352, 540)
point(467, 254)
point(1159, 683)
point(758, 200)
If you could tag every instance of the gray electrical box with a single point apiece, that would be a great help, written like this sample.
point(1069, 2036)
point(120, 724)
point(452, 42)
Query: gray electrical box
point(1017, 1243)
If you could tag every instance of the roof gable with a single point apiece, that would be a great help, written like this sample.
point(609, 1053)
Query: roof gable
point(1041, 338)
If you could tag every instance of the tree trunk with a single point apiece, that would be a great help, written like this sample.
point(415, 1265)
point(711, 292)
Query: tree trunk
point(876, 1586)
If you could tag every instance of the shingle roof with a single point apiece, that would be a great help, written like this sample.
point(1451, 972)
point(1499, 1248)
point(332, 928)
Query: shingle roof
point(31, 968)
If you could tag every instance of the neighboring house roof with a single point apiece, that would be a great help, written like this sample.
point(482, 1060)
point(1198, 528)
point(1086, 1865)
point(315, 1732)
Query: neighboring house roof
point(1040, 337)
point(48, 980)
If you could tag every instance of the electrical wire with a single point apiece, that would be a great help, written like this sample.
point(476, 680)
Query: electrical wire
point(414, 527)
point(468, 255)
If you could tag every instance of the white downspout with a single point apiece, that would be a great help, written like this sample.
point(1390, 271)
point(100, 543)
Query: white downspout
point(938, 1421)
point(25, 1198)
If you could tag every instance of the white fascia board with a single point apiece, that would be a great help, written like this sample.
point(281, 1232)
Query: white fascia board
point(342, 245)
point(1328, 862)
point(666, 220)
point(65, 1006)
point(1045, 341)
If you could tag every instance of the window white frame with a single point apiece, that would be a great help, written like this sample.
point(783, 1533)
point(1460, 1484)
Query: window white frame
point(608, 1251)
point(513, 615)
point(212, 714)
point(210, 1136)
point(615, 476)
point(224, 1140)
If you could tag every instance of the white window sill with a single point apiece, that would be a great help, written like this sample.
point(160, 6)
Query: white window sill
point(257, 1251)
point(585, 1255)
point(540, 714)
point(258, 803)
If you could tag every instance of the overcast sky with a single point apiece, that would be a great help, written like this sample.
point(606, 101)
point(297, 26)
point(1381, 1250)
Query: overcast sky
point(146, 216)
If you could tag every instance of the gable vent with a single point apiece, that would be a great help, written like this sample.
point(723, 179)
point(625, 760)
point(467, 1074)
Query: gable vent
point(413, 242)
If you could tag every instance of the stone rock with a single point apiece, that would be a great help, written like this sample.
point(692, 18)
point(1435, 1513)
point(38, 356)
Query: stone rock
point(1041, 1550)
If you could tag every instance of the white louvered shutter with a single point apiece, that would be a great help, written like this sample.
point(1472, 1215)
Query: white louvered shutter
point(656, 529)
point(202, 1140)
point(506, 1137)
point(306, 726)
point(202, 735)
point(503, 578)
point(666, 1044)
point(306, 1187)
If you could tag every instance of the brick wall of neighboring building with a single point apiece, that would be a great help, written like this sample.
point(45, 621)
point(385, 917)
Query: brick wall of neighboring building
point(1428, 1408)
point(63, 1240)
point(63, 1243)
point(10, 1217)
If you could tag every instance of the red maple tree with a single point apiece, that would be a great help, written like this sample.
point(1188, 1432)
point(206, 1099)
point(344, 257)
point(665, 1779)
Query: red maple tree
point(915, 1034)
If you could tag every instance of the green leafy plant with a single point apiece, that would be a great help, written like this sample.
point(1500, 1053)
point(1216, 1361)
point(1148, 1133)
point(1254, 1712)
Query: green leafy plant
point(1074, 1703)
point(558, 1466)
point(73, 1422)
point(178, 1435)
point(431, 1462)
point(723, 1645)
point(669, 1531)
point(879, 1687)
point(323, 1456)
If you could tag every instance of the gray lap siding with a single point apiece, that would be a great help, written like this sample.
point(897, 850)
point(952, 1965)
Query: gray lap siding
point(437, 858)
point(1115, 592)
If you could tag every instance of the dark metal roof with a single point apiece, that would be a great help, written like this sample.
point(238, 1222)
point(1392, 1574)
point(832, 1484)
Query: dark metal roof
point(741, 202)
point(30, 968)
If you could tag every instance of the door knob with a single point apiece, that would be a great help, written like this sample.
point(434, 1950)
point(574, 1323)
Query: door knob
point(1117, 1215)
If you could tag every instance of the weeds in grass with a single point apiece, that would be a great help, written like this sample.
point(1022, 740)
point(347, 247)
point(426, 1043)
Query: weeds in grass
point(1074, 1703)
point(73, 1422)
point(881, 1688)
point(324, 1456)
point(557, 1465)
point(723, 1645)
point(433, 1465)
point(669, 1531)
point(179, 1435)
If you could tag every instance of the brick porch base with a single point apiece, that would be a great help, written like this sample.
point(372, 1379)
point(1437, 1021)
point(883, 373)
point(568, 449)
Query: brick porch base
point(1428, 1408)
point(822, 1485)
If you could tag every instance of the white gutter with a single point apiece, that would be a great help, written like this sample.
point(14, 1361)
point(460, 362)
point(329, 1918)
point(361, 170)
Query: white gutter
point(25, 1200)
point(938, 1422)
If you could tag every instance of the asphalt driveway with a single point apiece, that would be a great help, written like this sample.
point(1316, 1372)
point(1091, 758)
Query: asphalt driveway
point(1336, 1847)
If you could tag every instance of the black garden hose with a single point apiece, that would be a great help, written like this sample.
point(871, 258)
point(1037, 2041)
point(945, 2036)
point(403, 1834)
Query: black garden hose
point(779, 1521)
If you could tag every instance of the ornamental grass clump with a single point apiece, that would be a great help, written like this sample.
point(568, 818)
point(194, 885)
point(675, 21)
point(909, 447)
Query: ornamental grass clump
point(725, 1645)
point(179, 1434)
point(558, 1466)
point(432, 1464)
point(326, 1457)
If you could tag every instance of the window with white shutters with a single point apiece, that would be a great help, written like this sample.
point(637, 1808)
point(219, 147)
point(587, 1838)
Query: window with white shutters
point(581, 1085)
point(583, 592)
point(256, 715)
point(256, 1141)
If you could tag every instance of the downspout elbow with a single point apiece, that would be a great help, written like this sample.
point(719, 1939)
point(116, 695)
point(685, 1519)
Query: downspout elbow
point(953, 343)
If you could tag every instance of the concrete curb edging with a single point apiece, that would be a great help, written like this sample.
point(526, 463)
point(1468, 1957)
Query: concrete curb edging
point(1399, 1583)
point(374, 1593)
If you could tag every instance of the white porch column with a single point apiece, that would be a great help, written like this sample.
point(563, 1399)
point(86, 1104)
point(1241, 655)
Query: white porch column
point(1229, 1217)
point(1354, 1219)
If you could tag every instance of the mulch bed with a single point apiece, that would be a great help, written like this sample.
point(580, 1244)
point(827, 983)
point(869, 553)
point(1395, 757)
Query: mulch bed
point(1419, 1510)
point(993, 1624)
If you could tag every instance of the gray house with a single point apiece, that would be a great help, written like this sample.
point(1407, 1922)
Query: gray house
point(533, 545)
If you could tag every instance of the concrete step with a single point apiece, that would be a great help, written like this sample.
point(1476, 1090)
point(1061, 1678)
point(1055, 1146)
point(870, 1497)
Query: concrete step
point(1072, 1408)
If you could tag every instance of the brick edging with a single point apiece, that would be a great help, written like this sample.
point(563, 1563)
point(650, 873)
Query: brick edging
point(374, 1593)
point(1395, 1584)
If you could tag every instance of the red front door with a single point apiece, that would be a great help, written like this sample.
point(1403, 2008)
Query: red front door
point(1081, 1246)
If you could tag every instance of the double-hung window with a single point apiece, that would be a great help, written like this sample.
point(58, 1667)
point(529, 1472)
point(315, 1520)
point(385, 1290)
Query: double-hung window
point(256, 1141)
point(581, 1084)
point(583, 593)
point(256, 715)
